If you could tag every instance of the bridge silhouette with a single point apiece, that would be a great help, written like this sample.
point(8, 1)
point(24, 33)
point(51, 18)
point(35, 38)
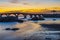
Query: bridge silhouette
point(14, 16)
point(17, 14)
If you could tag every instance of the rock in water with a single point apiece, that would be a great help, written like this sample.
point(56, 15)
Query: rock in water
point(7, 29)
point(15, 29)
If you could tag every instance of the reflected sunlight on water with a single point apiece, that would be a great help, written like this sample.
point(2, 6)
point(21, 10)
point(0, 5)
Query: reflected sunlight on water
point(27, 28)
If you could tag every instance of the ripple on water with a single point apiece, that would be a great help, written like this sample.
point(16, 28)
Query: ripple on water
point(27, 30)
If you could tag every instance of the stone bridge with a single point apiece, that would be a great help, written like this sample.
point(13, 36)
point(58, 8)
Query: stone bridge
point(25, 15)
point(16, 16)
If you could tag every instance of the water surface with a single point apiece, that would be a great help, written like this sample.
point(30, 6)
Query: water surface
point(28, 30)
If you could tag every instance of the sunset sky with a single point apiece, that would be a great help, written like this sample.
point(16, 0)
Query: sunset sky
point(27, 4)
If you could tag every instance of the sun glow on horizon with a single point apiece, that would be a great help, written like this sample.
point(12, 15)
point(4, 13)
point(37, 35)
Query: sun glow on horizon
point(20, 9)
point(29, 5)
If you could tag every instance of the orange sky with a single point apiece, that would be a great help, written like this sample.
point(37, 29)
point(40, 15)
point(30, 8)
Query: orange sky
point(28, 4)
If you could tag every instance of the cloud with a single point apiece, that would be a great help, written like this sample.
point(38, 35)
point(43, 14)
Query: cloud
point(14, 1)
point(26, 3)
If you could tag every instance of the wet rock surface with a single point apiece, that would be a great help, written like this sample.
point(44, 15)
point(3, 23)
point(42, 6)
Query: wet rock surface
point(13, 29)
point(7, 29)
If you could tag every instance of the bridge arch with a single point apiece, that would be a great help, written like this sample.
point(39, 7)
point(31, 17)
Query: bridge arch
point(3, 15)
point(33, 16)
point(12, 15)
point(28, 16)
point(20, 16)
point(37, 15)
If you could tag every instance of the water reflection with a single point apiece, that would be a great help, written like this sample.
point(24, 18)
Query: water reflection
point(27, 30)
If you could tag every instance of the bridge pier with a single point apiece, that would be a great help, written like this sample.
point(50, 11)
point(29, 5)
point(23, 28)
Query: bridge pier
point(35, 16)
point(0, 15)
point(24, 16)
point(15, 16)
point(30, 16)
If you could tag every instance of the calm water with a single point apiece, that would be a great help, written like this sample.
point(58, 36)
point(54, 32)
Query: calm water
point(28, 31)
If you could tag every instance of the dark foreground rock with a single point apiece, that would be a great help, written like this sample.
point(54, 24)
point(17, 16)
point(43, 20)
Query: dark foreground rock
point(13, 29)
point(7, 29)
